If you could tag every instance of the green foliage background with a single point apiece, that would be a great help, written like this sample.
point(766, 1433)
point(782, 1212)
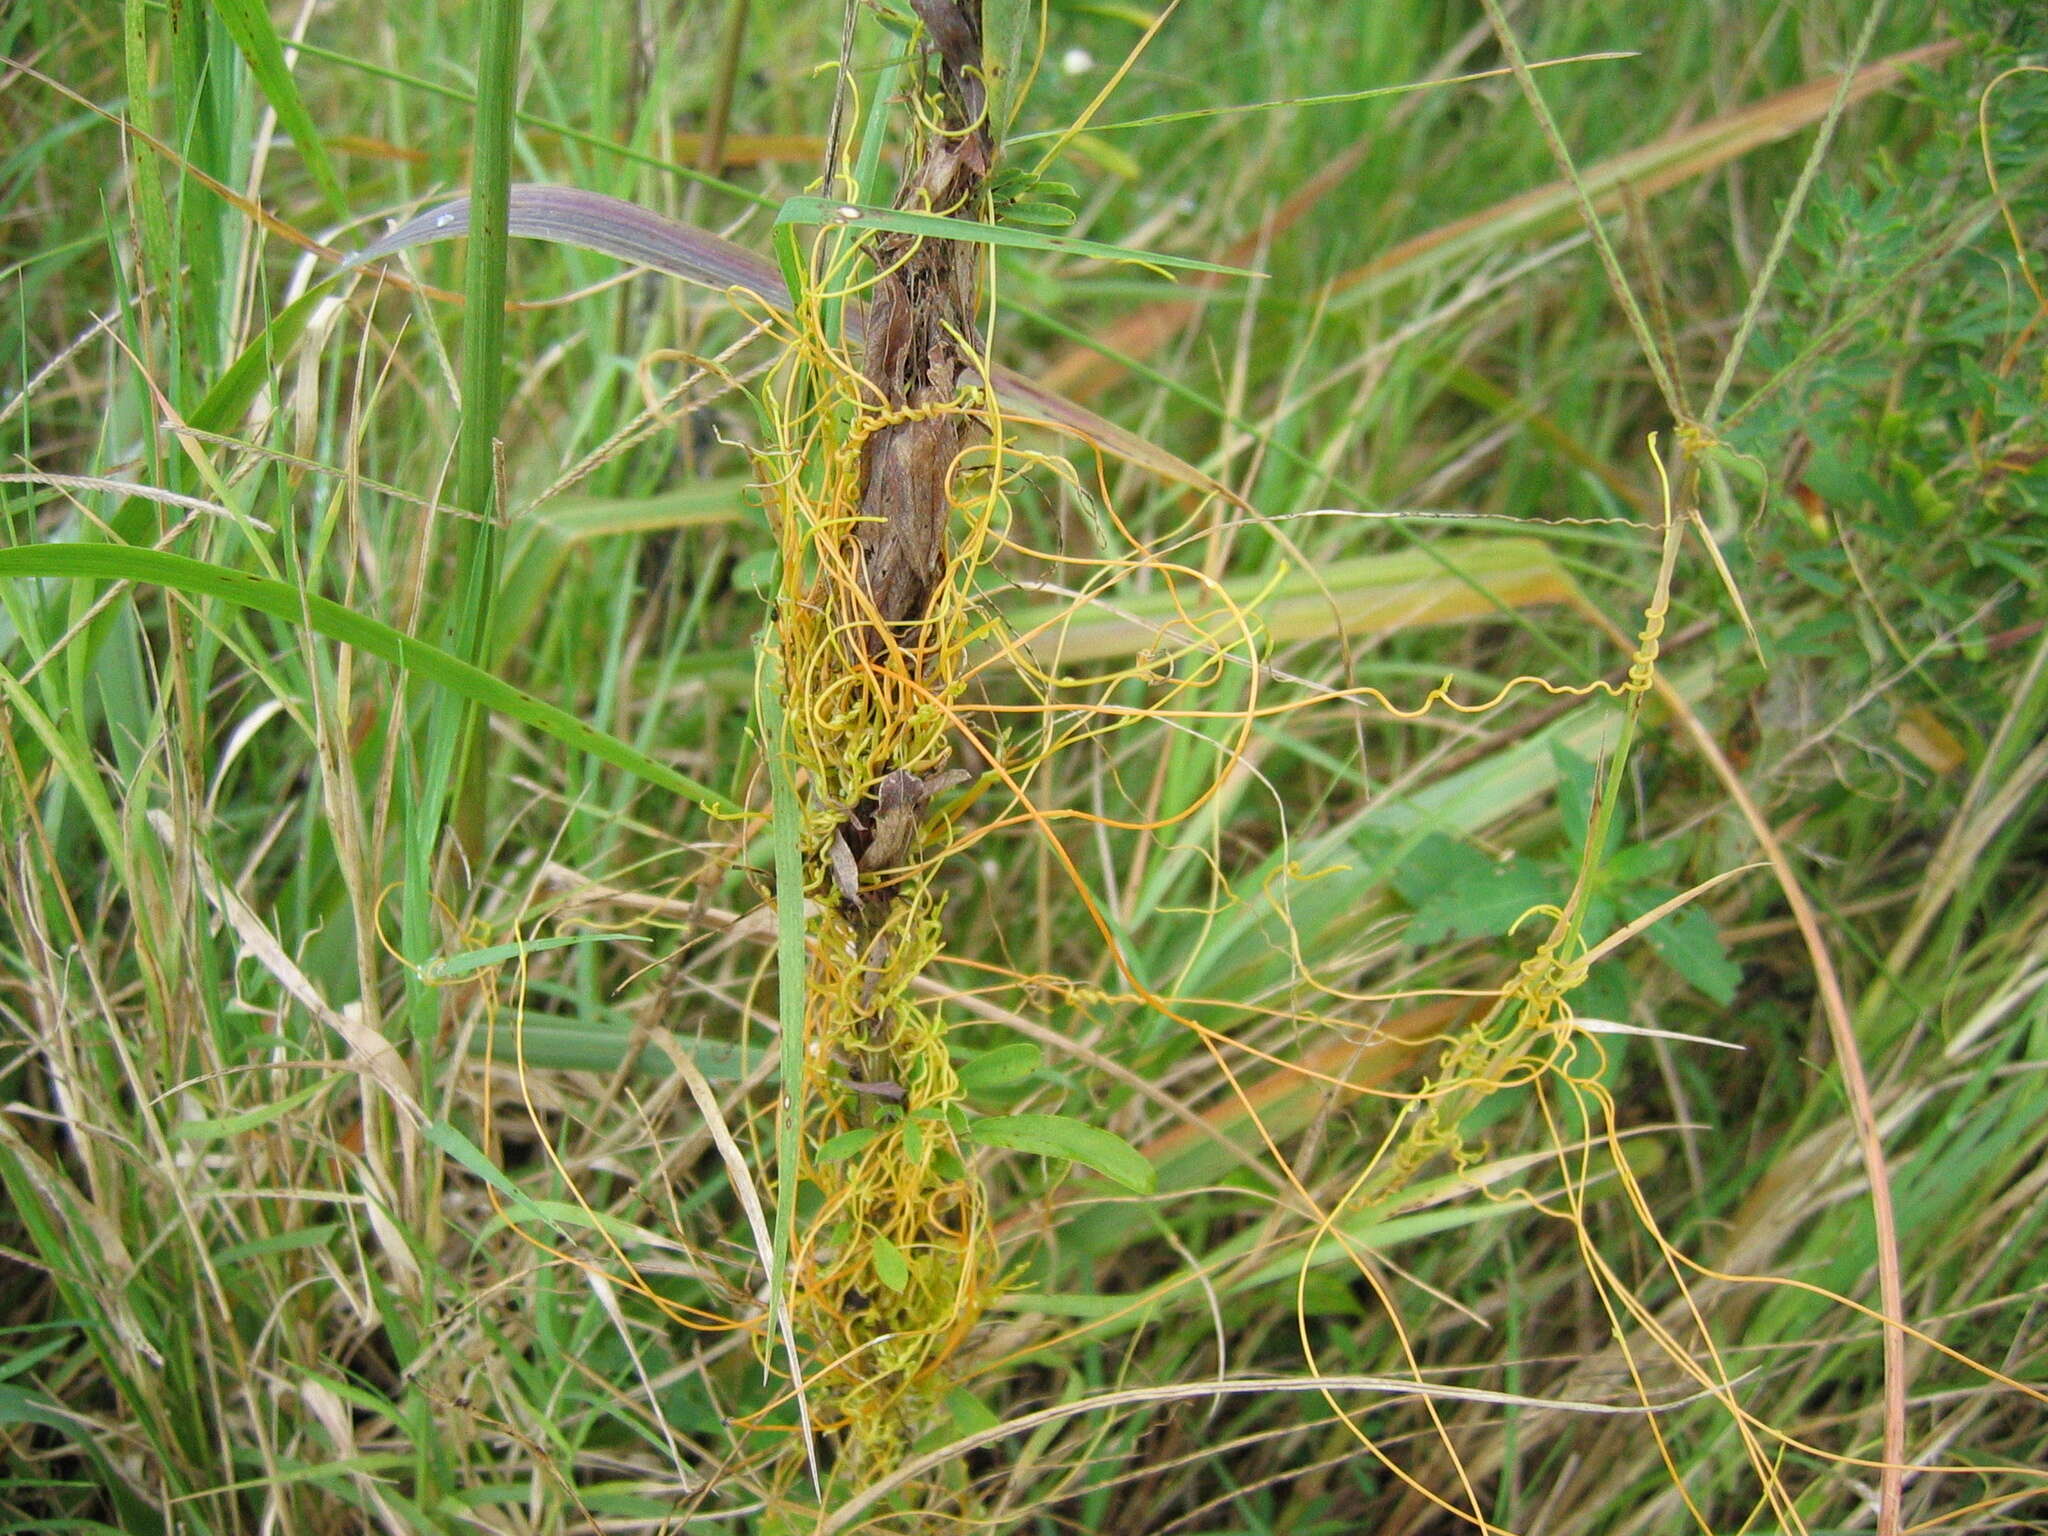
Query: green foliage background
point(283, 1247)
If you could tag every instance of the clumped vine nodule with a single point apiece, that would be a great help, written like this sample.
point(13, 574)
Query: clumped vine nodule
point(871, 465)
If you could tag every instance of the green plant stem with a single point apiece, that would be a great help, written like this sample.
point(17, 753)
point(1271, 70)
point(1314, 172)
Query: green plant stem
point(790, 963)
point(479, 550)
point(719, 118)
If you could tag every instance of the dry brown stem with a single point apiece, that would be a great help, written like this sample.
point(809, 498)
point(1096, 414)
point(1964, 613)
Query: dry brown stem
point(922, 338)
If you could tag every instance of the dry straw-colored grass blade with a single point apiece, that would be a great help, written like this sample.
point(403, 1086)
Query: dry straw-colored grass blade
point(1455, 581)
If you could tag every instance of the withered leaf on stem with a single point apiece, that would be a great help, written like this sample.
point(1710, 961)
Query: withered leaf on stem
point(921, 335)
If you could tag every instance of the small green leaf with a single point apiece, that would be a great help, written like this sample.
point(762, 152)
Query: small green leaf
point(913, 1140)
point(969, 1413)
point(1006, 26)
point(1075, 1141)
point(236, 1125)
point(891, 1268)
point(1000, 1067)
point(1637, 863)
point(1045, 215)
point(756, 573)
point(1460, 893)
point(846, 1143)
point(1436, 864)
point(1746, 467)
point(1688, 942)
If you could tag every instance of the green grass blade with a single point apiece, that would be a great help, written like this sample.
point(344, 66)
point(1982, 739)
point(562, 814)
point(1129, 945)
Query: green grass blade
point(790, 961)
point(606, 1048)
point(1452, 581)
point(825, 212)
point(113, 562)
point(248, 23)
point(224, 405)
point(537, 122)
point(470, 961)
point(1009, 28)
point(1338, 98)
point(478, 545)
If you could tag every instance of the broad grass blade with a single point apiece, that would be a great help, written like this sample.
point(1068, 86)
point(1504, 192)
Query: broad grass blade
point(119, 562)
point(614, 227)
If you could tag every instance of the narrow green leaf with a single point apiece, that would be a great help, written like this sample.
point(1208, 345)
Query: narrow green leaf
point(561, 1215)
point(120, 562)
point(790, 960)
point(1074, 1140)
point(600, 1047)
point(470, 961)
point(470, 1156)
point(868, 168)
point(567, 1215)
point(969, 1413)
point(846, 1143)
point(1452, 581)
point(1000, 1067)
point(825, 212)
point(1045, 215)
point(19, 1407)
point(153, 208)
point(68, 753)
point(547, 535)
point(456, 743)
point(315, 1236)
point(1238, 109)
point(248, 23)
point(222, 407)
point(225, 1126)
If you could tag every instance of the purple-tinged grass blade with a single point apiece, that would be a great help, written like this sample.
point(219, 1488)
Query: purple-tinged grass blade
point(614, 227)
point(609, 225)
